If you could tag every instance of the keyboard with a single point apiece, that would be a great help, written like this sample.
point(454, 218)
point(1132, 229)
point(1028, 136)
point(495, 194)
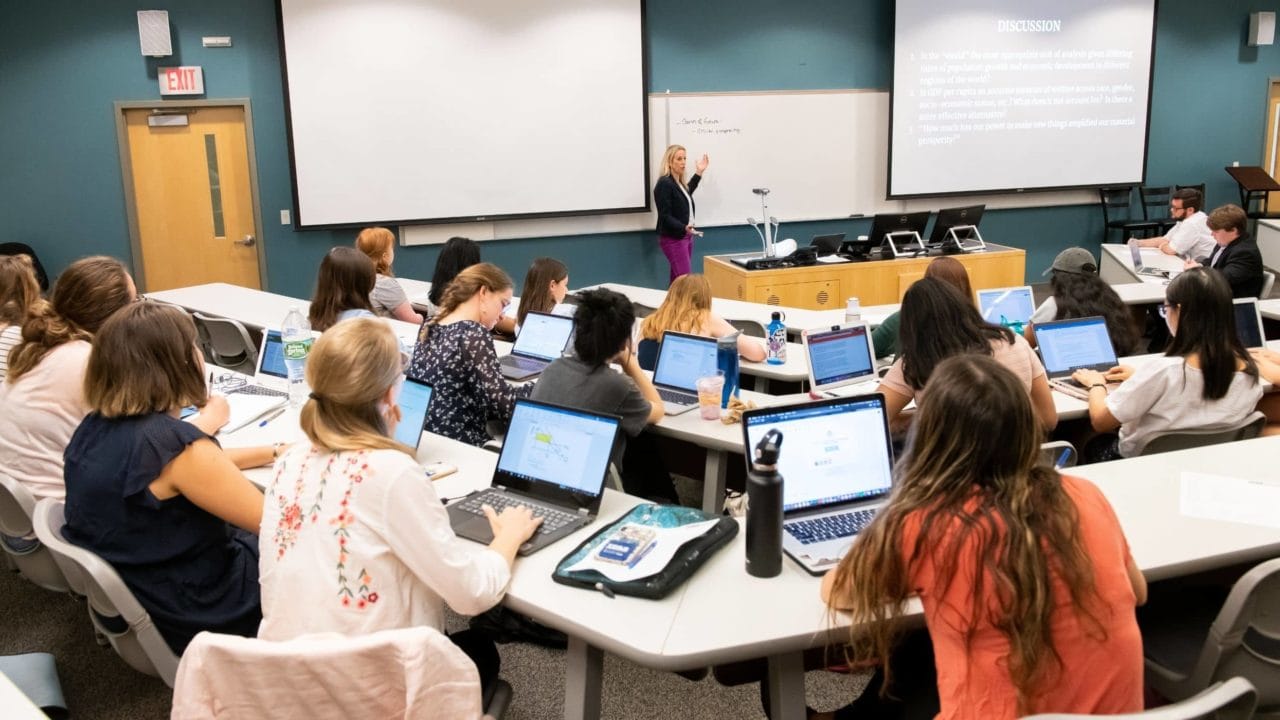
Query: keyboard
point(520, 363)
point(830, 527)
point(252, 389)
point(552, 519)
point(677, 397)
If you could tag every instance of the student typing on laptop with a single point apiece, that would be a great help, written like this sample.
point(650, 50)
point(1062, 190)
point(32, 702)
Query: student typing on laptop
point(1051, 627)
point(1205, 381)
point(354, 538)
point(1078, 292)
point(687, 309)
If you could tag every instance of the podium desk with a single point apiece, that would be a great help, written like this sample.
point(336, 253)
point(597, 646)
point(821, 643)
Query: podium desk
point(826, 286)
point(1256, 186)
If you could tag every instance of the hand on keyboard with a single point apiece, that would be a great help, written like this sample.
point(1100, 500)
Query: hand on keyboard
point(511, 528)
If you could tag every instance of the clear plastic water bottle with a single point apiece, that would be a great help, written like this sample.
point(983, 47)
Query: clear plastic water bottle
point(295, 333)
point(777, 343)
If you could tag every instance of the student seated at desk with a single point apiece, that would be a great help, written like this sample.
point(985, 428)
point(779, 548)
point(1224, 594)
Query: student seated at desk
point(42, 399)
point(156, 497)
point(545, 286)
point(342, 288)
point(455, 356)
point(458, 254)
point(687, 309)
point(1078, 292)
point(885, 336)
point(938, 323)
point(1269, 368)
point(19, 298)
point(388, 298)
point(1206, 380)
point(1027, 583)
point(355, 539)
point(1236, 255)
point(602, 336)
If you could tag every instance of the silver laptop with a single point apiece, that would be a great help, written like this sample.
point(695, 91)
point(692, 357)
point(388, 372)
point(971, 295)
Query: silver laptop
point(554, 461)
point(1069, 345)
point(1249, 323)
point(682, 359)
point(838, 356)
point(543, 338)
point(1011, 307)
point(1141, 269)
point(836, 461)
point(414, 401)
point(270, 377)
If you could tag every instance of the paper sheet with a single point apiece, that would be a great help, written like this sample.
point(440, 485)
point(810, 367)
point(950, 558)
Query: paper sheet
point(651, 561)
point(1228, 499)
point(832, 259)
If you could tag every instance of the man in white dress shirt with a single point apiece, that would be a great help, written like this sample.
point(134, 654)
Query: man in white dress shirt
point(1190, 238)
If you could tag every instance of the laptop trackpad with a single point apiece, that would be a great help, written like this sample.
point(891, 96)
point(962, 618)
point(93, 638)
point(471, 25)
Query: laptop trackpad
point(475, 528)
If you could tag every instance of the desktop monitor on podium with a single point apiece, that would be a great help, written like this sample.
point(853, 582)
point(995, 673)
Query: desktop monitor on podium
point(963, 220)
point(893, 230)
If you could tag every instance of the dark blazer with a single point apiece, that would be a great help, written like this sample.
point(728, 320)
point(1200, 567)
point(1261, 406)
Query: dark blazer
point(1241, 263)
point(673, 211)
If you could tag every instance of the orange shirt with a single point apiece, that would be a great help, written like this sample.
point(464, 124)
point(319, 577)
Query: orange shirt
point(1098, 675)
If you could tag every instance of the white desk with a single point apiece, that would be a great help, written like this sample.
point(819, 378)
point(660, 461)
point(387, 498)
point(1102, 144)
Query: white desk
point(1269, 243)
point(415, 290)
point(796, 319)
point(1116, 269)
point(1270, 308)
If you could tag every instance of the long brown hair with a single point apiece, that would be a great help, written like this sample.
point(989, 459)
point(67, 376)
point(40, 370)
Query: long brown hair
point(481, 276)
point(536, 295)
point(145, 360)
point(346, 278)
point(375, 242)
point(986, 493)
point(19, 289)
point(350, 369)
point(937, 323)
point(685, 310)
point(85, 295)
point(950, 270)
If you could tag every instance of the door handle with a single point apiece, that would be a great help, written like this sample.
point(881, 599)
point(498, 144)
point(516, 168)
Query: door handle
point(248, 241)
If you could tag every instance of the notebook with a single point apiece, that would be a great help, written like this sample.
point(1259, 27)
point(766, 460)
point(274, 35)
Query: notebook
point(1141, 269)
point(682, 359)
point(543, 338)
point(554, 461)
point(1069, 345)
point(836, 462)
point(1249, 323)
point(838, 356)
point(1007, 306)
point(414, 401)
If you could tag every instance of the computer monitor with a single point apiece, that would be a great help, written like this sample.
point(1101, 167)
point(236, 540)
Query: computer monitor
point(827, 244)
point(954, 218)
point(884, 223)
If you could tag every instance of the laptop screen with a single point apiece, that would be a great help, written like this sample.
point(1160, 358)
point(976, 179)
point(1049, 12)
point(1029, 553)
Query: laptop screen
point(1136, 252)
point(682, 359)
point(1067, 345)
point(839, 356)
point(414, 399)
point(1006, 306)
point(543, 335)
point(1249, 323)
point(833, 451)
point(271, 359)
point(557, 453)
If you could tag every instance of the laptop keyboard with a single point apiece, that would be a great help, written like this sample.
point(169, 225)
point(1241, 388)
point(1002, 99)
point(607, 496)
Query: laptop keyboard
point(520, 363)
point(252, 389)
point(830, 527)
point(552, 519)
point(677, 397)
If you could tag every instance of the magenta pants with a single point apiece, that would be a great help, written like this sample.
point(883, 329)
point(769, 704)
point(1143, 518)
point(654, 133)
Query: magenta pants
point(679, 254)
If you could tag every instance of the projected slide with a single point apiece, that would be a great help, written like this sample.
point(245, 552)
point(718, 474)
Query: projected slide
point(1019, 95)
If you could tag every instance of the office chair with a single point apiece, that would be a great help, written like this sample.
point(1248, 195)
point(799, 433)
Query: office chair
point(1230, 700)
point(227, 343)
point(31, 557)
point(750, 328)
point(1117, 213)
point(1185, 439)
point(1268, 282)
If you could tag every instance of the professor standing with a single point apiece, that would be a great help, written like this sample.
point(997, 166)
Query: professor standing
point(674, 199)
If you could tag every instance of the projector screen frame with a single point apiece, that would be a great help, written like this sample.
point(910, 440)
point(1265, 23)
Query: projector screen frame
point(299, 224)
point(1146, 143)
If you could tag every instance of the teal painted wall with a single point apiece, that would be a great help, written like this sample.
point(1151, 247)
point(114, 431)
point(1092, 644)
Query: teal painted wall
point(63, 64)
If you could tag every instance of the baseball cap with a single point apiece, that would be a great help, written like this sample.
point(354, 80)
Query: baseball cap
point(1074, 260)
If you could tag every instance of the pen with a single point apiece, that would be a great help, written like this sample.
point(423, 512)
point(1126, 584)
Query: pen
point(1062, 458)
point(271, 417)
point(608, 591)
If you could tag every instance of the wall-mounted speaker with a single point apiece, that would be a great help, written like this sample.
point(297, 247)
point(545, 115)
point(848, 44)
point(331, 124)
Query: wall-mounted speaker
point(1262, 28)
point(153, 32)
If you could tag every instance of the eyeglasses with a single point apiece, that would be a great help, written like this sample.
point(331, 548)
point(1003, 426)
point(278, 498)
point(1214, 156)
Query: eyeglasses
point(1165, 307)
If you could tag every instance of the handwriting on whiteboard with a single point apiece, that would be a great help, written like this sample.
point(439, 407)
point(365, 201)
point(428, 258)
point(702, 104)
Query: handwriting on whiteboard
point(707, 126)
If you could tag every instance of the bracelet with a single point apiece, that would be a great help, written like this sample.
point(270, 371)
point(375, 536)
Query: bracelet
point(1098, 385)
point(275, 451)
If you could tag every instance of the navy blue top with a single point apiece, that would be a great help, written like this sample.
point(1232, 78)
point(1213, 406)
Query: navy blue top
point(189, 569)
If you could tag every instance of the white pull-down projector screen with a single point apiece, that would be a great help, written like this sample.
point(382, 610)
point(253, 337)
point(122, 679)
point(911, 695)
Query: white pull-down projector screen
point(1019, 95)
point(449, 110)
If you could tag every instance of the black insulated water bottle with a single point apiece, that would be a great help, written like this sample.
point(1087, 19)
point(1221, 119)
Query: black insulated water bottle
point(764, 509)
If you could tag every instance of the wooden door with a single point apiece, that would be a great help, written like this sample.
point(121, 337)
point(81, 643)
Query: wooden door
point(1271, 152)
point(193, 197)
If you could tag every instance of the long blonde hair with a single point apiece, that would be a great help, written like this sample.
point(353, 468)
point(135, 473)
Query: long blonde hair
point(669, 157)
point(19, 289)
point(375, 242)
point(685, 310)
point(986, 494)
point(350, 369)
point(481, 276)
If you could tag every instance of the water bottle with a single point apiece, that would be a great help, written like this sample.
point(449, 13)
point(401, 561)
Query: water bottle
point(295, 333)
point(777, 349)
point(727, 362)
point(764, 509)
point(852, 310)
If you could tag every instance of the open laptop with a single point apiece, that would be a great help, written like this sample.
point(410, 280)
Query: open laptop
point(543, 338)
point(554, 461)
point(838, 356)
point(682, 359)
point(827, 244)
point(414, 401)
point(1249, 323)
point(1138, 267)
point(1068, 345)
point(1010, 307)
point(270, 377)
point(836, 461)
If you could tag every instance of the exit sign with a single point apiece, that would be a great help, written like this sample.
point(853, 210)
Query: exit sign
point(185, 80)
